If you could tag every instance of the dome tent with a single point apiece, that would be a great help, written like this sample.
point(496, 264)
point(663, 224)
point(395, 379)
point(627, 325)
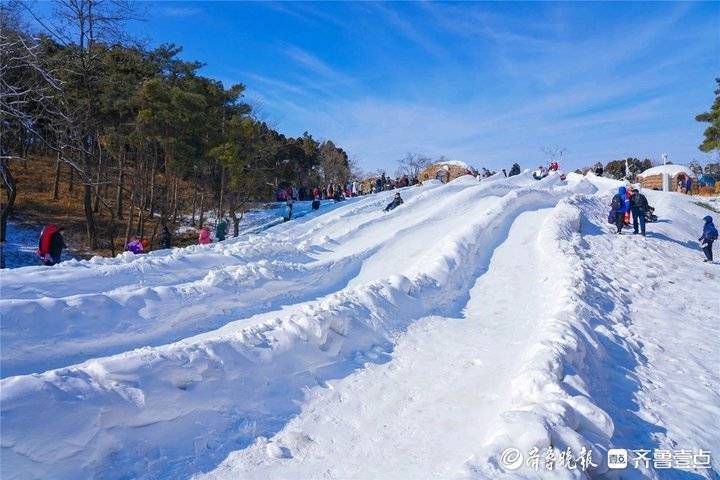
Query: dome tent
point(652, 178)
point(446, 171)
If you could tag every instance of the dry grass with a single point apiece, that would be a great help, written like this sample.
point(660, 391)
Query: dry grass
point(34, 205)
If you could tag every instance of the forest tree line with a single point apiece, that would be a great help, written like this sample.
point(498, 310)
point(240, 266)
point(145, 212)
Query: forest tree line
point(139, 131)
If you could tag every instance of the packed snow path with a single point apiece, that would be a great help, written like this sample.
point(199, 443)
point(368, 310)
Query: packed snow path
point(436, 386)
point(479, 316)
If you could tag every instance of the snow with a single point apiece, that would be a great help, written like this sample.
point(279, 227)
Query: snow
point(357, 343)
point(671, 170)
point(456, 163)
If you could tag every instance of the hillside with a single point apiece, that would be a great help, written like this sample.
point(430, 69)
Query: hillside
point(356, 343)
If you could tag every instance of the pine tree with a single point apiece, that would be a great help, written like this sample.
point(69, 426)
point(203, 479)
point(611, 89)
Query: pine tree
point(712, 133)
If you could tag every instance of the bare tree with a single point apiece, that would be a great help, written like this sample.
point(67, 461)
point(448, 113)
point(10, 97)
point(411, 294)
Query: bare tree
point(554, 153)
point(29, 92)
point(412, 164)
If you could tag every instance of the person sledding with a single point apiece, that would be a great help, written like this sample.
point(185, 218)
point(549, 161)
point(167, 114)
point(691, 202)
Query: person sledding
point(709, 235)
point(515, 170)
point(135, 246)
point(51, 244)
point(650, 215)
point(619, 206)
point(396, 202)
point(540, 173)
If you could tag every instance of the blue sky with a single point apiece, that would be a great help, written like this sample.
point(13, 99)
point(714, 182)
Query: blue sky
point(487, 83)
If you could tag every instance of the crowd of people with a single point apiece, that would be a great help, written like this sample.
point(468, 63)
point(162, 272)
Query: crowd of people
point(338, 192)
point(629, 203)
point(629, 207)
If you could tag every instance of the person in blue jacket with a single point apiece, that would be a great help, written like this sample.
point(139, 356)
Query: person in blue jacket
point(709, 235)
point(620, 205)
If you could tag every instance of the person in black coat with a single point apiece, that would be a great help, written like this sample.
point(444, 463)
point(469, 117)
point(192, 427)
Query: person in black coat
point(396, 201)
point(515, 170)
point(165, 238)
point(57, 244)
point(639, 207)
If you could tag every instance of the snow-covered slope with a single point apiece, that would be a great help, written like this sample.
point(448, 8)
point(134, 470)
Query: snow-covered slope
point(418, 343)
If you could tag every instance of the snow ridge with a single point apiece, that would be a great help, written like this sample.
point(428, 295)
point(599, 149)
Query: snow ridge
point(553, 406)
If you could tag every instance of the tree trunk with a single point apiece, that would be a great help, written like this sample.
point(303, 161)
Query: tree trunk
point(194, 206)
point(140, 222)
point(96, 206)
point(89, 217)
point(121, 180)
point(10, 192)
point(154, 232)
point(152, 185)
point(130, 220)
point(56, 182)
point(222, 192)
point(72, 179)
point(173, 215)
point(202, 209)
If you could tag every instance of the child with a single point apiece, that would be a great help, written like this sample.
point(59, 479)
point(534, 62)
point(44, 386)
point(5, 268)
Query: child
point(709, 235)
point(204, 236)
point(134, 246)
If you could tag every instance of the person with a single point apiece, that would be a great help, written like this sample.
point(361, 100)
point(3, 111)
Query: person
point(514, 170)
point(204, 236)
point(554, 166)
point(441, 175)
point(145, 244)
point(287, 211)
point(540, 173)
point(639, 207)
point(650, 215)
point(316, 203)
point(709, 235)
point(51, 244)
point(396, 201)
point(134, 246)
point(620, 205)
point(628, 194)
point(165, 238)
point(221, 229)
point(599, 170)
point(688, 185)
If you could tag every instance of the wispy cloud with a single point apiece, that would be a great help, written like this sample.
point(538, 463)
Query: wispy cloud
point(489, 85)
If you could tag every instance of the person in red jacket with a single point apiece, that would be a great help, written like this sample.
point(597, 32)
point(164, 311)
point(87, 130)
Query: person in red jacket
point(51, 244)
point(204, 236)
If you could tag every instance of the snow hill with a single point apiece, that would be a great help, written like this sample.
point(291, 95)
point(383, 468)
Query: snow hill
point(353, 343)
